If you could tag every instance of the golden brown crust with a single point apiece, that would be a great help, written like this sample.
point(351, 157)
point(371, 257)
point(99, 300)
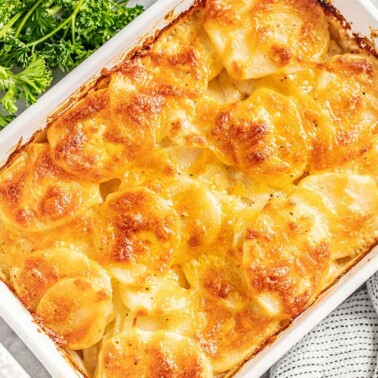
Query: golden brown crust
point(36, 195)
point(287, 255)
point(263, 137)
point(355, 41)
point(68, 292)
point(91, 145)
point(158, 355)
point(251, 42)
point(351, 112)
point(137, 236)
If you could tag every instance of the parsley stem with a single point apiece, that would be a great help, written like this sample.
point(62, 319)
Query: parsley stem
point(54, 10)
point(10, 24)
point(27, 16)
point(66, 32)
point(73, 30)
point(61, 26)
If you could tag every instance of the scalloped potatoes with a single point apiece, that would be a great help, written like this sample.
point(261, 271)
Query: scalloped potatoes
point(202, 196)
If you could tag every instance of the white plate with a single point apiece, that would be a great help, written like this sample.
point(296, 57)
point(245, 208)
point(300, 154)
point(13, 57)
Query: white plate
point(361, 12)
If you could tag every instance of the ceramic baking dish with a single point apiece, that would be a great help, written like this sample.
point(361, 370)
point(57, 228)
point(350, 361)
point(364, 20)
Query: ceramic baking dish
point(361, 13)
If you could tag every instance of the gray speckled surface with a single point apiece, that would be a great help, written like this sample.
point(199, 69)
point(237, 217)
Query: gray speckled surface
point(21, 353)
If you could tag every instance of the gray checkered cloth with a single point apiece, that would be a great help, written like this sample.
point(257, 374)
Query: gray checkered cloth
point(344, 345)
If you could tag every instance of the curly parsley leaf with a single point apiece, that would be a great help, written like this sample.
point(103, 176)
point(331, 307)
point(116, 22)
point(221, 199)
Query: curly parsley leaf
point(5, 119)
point(37, 36)
point(99, 20)
point(14, 52)
point(40, 23)
point(26, 85)
point(65, 54)
point(8, 9)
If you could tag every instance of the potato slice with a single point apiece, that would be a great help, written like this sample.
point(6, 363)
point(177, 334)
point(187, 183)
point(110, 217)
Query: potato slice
point(256, 38)
point(141, 354)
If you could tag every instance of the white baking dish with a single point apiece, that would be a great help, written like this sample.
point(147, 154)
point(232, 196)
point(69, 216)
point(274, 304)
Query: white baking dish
point(362, 14)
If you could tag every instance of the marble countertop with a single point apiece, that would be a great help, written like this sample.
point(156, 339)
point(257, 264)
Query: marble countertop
point(21, 353)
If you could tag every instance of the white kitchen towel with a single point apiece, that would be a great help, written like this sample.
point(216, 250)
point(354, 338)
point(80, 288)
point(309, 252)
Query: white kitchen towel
point(344, 345)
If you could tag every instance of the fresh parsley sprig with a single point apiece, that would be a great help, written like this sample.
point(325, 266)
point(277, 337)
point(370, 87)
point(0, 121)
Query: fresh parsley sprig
point(37, 36)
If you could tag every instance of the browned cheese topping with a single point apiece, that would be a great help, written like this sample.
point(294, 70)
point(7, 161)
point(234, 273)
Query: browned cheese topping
point(188, 208)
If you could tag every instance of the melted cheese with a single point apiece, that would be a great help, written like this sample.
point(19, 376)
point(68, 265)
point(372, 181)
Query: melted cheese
point(76, 309)
point(260, 37)
point(339, 127)
point(351, 111)
point(36, 195)
point(201, 196)
point(212, 309)
point(366, 163)
point(166, 295)
point(262, 136)
point(154, 355)
point(69, 292)
point(190, 32)
point(348, 197)
point(129, 122)
point(201, 219)
point(286, 255)
point(225, 319)
point(137, 236)
point(85, 142)
point(42, 269)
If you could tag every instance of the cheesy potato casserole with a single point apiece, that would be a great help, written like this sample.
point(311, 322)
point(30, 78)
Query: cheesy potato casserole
point(201, 195)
